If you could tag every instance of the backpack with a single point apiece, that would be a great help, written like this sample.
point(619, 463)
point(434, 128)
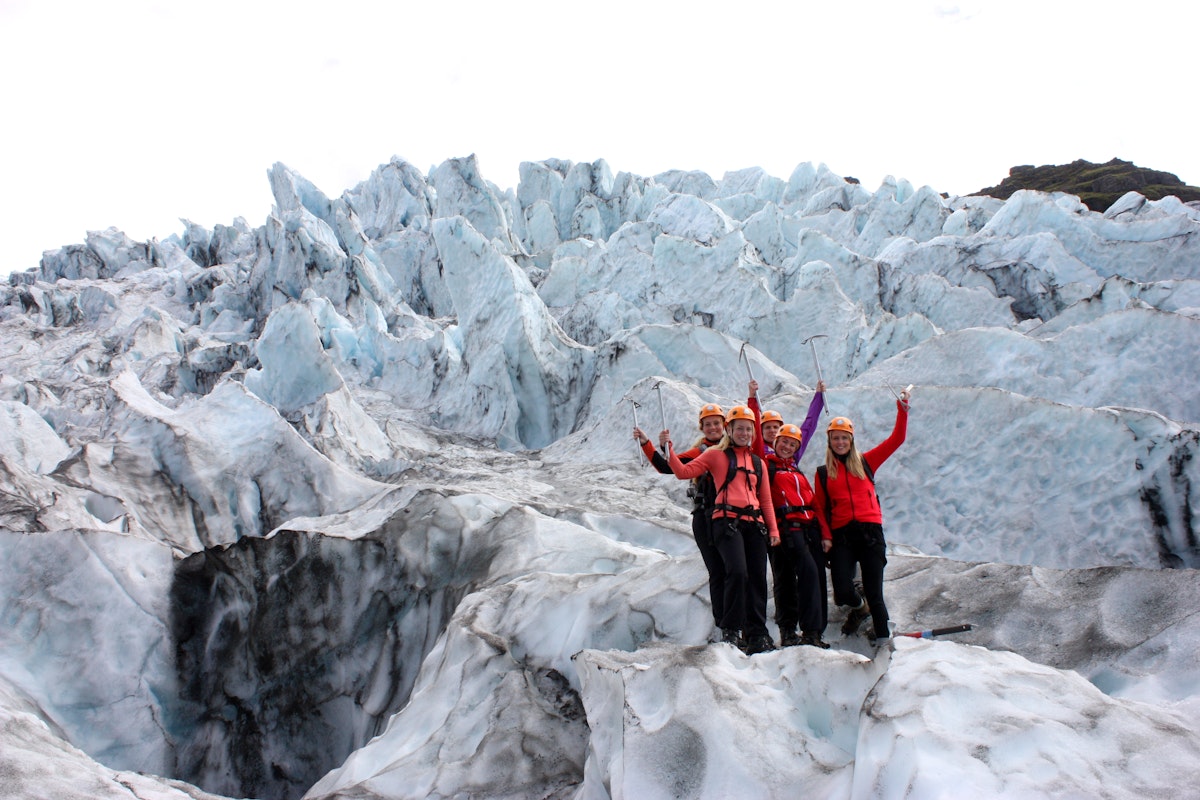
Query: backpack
point(703, 490)
point(823, 477)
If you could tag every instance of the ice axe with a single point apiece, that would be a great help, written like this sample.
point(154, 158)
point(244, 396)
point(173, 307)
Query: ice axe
point(663, 411)
point(636, 406)
point(907, 389)
point(809, 341)
point(936, 632)
point(743, 357)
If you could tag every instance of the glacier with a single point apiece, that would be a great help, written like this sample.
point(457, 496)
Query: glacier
point(346, 504)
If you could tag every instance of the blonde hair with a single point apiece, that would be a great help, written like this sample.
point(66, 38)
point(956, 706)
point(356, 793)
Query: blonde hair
point(854, 462)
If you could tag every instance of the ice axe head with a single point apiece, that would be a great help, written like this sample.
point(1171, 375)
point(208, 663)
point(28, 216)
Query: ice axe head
point(662, 410)
point(811, 342)
point(743, 357)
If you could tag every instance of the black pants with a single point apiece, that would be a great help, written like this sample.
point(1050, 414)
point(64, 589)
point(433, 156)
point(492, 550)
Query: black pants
point(702, 533)
point(797, 601)
point(860, 543)
point(743, 550)
point(812, 537)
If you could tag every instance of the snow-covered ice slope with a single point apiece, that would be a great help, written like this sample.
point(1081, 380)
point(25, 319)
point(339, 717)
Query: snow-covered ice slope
point(346, 504)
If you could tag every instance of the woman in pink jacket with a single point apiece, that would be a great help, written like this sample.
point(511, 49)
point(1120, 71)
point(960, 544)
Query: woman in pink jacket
point(743, 526)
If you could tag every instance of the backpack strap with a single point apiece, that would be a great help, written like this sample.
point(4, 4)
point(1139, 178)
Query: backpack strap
point(749, 512)
point(730, 472)
point(823, 478)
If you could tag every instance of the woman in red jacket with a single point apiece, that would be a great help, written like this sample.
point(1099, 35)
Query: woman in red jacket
point(712, 429)
point(800, 590)
point(742, 508)
point(849, 514)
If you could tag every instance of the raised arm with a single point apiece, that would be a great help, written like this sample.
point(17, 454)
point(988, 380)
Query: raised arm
point(809, 426)
point(880, 453)
point(758, 446)
point(654, 457)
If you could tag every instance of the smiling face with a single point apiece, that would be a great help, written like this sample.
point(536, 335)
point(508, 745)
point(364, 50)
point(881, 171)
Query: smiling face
point(785, 446)
point(741, 431)
point(769, 430)
point(713, 428)
point(839, 442)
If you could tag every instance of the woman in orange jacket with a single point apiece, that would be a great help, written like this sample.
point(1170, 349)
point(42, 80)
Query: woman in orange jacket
point(849, 514)
point(743, 525)
point(712, 429)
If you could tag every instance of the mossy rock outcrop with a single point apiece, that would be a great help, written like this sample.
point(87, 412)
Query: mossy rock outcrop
point(1098, 186)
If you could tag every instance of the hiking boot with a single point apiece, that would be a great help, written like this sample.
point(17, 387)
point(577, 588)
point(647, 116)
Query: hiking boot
point(759, 643)
point(789, 638)
point(813, 640)
point(855, 618)
point(730, 636)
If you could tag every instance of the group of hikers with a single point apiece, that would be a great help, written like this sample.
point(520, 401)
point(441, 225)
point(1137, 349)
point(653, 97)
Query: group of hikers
point(753, 505)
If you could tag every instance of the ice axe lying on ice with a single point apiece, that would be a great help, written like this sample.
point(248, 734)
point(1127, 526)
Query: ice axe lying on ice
point(929, 634)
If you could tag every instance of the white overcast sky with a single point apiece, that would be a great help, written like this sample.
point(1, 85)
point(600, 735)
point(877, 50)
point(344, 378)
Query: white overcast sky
point(136, 113)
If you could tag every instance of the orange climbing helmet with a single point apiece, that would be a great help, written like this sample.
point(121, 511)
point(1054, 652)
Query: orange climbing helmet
point(771, 416)
point(791, 432)
point(739, 412)
point(840, 424)
point(710, 410)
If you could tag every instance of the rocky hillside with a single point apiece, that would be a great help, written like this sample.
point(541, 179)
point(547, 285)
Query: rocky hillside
point(1097, 185)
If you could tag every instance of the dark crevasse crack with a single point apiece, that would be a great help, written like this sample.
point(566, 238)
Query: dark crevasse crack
point(292, 652)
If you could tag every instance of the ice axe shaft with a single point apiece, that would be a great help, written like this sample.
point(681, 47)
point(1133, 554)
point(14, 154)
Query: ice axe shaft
point(929, 634)
point(636, 405)
point(816, 362)
point(811, 342)
point(743, 357)
point(662, 411)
